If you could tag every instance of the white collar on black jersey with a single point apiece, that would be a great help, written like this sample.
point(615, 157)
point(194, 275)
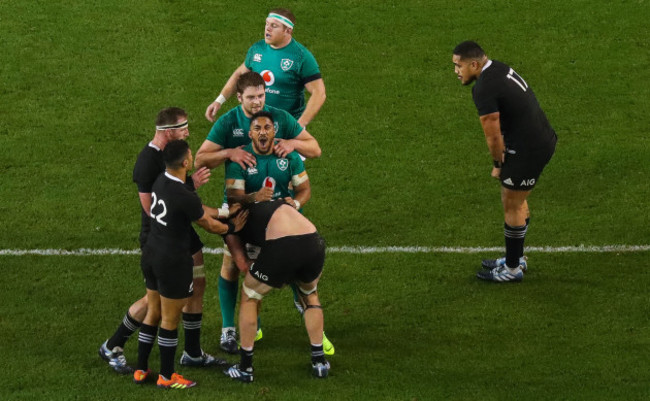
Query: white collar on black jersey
point(171, 177)
point(489, 63)
point(154, 146)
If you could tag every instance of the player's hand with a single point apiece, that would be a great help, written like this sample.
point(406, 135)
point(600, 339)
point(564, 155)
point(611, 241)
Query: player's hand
point(496, 172)
point(234, 209)
point(211, 111)
point(240, 220)
point(290, 201)
point(264, 194)
point(283, 147)
point(242, 157)
point(200, 177)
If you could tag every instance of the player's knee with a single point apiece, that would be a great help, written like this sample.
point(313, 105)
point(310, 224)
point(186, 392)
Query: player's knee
point(198, 272)
point(228, 269)
point(198, 286)
point(153, 313)
point(307, 291)
point(138, 309)
point(197, 258)
point(309, 298)
point(252, 294)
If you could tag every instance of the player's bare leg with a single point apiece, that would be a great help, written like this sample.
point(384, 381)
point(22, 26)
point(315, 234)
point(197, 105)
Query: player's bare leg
point(252, 293)
point(314, 323)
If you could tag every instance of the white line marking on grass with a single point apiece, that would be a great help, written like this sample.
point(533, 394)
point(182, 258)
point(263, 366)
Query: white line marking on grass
point(359, 250)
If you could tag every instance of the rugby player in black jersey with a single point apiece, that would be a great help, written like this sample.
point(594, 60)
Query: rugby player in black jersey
point(167, 260)
point(521, 142)
point(292, 251)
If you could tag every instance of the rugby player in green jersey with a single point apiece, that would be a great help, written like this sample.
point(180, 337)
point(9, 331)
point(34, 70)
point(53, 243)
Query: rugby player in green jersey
point(225, 144)
point(287, 67)
point(246, 185)
point(228, 135)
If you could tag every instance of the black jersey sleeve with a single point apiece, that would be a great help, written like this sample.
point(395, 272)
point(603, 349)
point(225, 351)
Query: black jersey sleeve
point(145, 171)
point(192, 205)
point(189, 183)
point(486, 97)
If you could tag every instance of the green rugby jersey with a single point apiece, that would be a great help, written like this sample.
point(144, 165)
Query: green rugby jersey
point(231, 129)
point(285, 71)
point(283, 170)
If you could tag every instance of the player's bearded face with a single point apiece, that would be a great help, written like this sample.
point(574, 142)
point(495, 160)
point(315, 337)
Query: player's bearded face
point(262, 133)
point(466, 71)
point(180, 133)
point(252, 100)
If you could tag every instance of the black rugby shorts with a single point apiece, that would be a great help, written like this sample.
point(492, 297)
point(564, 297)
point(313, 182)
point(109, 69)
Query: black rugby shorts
point(288, 259)
point(522, 169)
point(169, 273)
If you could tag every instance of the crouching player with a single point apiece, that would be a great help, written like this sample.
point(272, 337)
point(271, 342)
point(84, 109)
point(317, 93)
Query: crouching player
point(167, 261)
point(292, 251)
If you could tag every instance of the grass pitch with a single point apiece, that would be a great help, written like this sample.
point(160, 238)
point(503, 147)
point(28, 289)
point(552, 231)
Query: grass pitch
point(404, 163)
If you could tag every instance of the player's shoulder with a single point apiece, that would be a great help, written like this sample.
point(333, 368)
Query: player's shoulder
point(171, 185)
point(258, 46)
point(149, 149)
point(231, 114)
point(276, 112)
point(248, 148)
point(230, 117)
point(299, 46)
point(496, 70)
point(294, 156)
point(300, 51)
point(149, 154)
point(491, 78)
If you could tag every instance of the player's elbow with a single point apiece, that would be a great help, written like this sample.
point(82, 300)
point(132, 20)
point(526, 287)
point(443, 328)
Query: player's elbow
point(199, 160)
point(317, 152)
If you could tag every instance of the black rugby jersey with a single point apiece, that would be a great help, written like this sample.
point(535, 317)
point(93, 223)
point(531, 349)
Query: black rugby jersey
point(523, 123)
point(259, 215)
point(148, 167)
point(174, 208)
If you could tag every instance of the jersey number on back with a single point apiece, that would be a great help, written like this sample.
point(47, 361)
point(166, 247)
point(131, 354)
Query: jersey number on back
point(160, 202)
point(516, 78)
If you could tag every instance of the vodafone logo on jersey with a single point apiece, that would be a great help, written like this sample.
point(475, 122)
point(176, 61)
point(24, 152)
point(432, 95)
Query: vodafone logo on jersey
point(268, 76)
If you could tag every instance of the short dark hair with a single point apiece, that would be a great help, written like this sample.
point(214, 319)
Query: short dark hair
point(285, 12)
point(169, 116)
point(174, 153)
point(469, 49)
point(248, 79)
point(262, 113)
